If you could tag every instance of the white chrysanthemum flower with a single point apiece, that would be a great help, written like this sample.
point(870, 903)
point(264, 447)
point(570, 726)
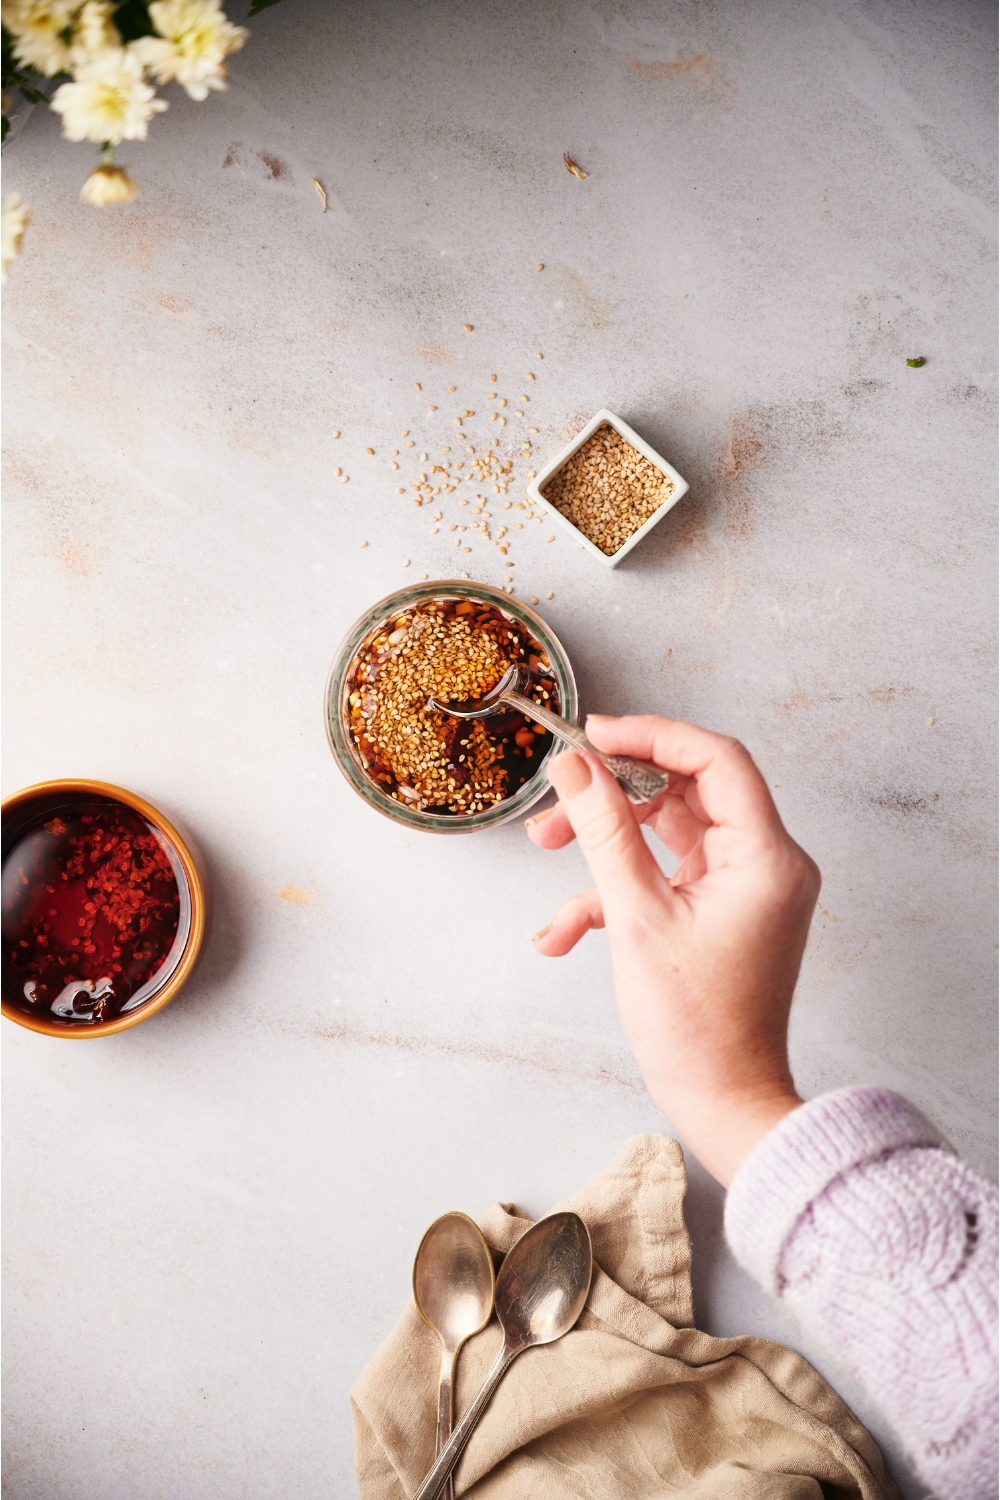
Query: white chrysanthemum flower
point(13, 222)
point(93, 31)
point(195, 38)
point(108, 100)
point(40, 29)
point(107, 184)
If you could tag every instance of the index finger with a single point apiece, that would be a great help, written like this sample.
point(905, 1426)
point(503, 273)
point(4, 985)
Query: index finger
point(730, 787)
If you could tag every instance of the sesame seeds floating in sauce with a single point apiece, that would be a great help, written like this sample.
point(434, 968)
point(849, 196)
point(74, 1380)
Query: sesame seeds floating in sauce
point(451, 650)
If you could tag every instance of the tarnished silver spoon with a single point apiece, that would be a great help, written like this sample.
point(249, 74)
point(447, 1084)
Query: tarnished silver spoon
point(640, 781)
point(453, 1289)
point(542, 1286)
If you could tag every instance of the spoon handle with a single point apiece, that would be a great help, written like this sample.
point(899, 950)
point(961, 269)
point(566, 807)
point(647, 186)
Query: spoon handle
point(440, 1470)
point(445, 1402)
point(640, 782)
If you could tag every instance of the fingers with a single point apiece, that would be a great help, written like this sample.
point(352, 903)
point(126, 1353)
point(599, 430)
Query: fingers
point(550, 829)
point(730, 789)
point(677, 824)
point(574, 918)
point(607, 831)
point(673, 821)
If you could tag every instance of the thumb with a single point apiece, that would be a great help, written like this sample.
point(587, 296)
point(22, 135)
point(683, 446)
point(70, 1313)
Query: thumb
point(606, 830)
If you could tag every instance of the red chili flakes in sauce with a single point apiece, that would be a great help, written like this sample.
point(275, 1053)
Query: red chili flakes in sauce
point(91, 910)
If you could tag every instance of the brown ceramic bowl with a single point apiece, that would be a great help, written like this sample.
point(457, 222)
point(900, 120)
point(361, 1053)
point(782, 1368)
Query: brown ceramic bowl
point(26, 808)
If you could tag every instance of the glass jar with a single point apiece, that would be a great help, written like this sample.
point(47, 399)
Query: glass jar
point(337, 708)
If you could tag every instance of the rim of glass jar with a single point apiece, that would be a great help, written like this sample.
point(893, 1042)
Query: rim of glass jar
point(335, 695)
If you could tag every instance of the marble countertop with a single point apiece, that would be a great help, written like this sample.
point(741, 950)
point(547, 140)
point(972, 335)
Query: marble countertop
point(211, 1218)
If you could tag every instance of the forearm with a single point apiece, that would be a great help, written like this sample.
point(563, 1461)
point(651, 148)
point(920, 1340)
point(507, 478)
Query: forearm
point(885, 1246)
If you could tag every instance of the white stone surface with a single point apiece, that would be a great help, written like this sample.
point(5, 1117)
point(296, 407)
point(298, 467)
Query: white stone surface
point(211, 1219)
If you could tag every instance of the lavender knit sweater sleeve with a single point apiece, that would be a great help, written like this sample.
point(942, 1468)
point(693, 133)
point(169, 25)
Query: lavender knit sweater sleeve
point(855, 1213)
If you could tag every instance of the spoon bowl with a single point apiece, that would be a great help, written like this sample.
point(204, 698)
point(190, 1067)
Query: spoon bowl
point(453, 1279)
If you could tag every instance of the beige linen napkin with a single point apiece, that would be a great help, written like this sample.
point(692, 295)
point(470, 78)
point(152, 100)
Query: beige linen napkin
point(634, 1402)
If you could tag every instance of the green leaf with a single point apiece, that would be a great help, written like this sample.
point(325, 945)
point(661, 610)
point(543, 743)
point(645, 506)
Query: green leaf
point(33, 95)
point(915, 364)
point(258, 6)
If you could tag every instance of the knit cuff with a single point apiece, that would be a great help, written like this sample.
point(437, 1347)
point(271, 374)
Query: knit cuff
point(796, 1160)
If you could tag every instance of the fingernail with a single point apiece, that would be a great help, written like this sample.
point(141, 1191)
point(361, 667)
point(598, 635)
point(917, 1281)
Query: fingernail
point(542, 933)
point(539, 817)
point(569, 773)
point(599, 718)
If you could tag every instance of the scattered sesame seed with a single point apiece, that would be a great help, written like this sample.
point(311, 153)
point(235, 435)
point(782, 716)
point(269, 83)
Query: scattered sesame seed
point(423, 575)
point(529, 376)
point(406, 564)
point(467, 327)
point(369, 450)
point(423, 458)
point(540, 267)
point(344, 478)
point(493, 378)
point(532, 429)
point(533, 599)
point(541, 356)
point(362, 544)
point(548, 596)
point(452, 388)
point(410, 443)
point(929, 722)
point(336, 434)
point(550, 538)
point(465, 575)
point(400, 492)
point(394, 466)
point(406, 432)
point(336, 473)
point(416, 385)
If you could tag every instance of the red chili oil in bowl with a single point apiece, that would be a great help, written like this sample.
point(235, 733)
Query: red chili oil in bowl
point(96, 911)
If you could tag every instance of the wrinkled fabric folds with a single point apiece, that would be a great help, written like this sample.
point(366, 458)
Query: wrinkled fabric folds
point(634, 1402)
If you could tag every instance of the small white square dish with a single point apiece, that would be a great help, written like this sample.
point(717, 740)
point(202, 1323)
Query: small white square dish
point(605, 418)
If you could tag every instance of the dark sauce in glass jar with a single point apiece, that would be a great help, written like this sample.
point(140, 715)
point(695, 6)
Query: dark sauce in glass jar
point(453, 650)
point(95, 912)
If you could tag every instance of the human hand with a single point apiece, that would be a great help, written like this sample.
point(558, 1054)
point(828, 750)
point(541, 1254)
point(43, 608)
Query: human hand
point(705, 962)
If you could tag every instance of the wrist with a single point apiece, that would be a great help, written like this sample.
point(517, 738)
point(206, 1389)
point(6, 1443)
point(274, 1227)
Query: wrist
point(721, 1130)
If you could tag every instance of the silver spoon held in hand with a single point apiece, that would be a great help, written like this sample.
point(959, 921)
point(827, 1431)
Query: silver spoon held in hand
point(542, 1286)
point(453, 1289)
point(639, 781)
